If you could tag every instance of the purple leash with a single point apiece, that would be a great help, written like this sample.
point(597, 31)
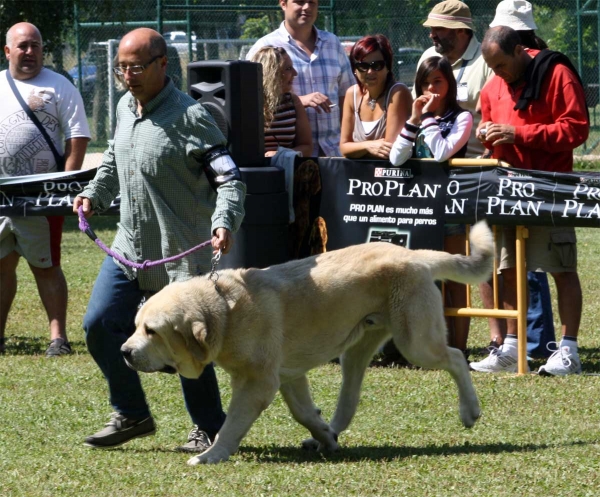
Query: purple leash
point(85, 227)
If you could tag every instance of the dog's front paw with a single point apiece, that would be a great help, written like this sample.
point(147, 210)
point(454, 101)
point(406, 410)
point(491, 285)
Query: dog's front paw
point(208, 457)
point(310, 444)
point(469, 414)
point(313, 444)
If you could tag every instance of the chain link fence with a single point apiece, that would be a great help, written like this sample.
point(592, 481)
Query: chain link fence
point(226, 29)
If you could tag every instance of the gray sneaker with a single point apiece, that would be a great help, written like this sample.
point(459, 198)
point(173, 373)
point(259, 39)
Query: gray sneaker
point(561, 363)
point(58, 347)
point(503, 359)
point(198, 441)
point(120, 430)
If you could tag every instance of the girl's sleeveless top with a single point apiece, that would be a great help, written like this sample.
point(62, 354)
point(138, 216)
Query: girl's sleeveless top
point(359, 134)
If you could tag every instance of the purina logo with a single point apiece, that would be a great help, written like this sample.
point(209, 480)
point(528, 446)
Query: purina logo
point(381, 172)
point(589, 181)
point(513, 174)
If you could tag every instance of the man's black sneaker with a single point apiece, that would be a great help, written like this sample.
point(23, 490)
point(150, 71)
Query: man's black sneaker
point(58, 347)
point(492, 346)
point(466, 355)
point(120, 430)
point(198, 441)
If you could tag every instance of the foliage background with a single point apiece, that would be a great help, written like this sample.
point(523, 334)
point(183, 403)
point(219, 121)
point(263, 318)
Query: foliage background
point(77, 31)
point(400, 20)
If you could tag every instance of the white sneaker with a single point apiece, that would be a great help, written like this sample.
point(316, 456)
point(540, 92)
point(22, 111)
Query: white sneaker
point(561, 363)
point(500, 360)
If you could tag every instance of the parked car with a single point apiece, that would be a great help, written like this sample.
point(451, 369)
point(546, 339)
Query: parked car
point(179, 40)
point(406, 67)
point(88, 75)
point(347, 45)
point(88, 82)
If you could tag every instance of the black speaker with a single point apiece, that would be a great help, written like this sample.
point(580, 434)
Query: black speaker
point(232, 91)
point(262, 240)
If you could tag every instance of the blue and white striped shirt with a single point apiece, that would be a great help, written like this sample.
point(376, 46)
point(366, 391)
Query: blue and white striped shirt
point(326, 71)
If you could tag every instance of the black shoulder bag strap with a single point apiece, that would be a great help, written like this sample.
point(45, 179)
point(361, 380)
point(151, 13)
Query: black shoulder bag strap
point(60, 160)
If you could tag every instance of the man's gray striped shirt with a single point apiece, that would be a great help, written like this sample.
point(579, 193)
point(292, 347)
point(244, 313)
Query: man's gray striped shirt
point(167, 204)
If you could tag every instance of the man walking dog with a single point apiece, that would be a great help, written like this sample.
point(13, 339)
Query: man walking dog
point(166, 153)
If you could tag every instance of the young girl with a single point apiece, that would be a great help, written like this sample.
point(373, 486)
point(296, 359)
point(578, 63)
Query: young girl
point(286, 122)
point(438, 127)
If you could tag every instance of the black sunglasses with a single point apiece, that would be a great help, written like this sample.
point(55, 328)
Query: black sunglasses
point(376, 65)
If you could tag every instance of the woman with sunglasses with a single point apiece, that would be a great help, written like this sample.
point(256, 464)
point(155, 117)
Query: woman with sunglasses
point(375, 108)
point(286, 122)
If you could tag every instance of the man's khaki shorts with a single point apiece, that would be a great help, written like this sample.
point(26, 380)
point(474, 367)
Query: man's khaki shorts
point(548, 249)
point(36, 238)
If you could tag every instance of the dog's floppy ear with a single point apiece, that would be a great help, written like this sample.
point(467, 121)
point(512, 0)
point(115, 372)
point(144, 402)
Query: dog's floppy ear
point(199, 333)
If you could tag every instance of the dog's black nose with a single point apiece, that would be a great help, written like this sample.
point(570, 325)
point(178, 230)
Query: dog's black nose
point(126, 351)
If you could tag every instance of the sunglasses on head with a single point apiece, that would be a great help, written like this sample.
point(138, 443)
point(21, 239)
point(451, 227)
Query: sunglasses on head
point(376, 65)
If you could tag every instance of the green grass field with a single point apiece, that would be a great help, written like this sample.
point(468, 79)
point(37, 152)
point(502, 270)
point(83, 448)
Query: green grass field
point(538, 436)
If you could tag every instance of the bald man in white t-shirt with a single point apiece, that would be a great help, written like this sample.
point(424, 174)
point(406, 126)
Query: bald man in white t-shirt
point(24, 151)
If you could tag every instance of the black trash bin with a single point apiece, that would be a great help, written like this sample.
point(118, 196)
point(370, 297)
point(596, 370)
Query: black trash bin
point(262, 240)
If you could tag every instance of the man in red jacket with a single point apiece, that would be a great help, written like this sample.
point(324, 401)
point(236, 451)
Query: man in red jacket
point(534, 114)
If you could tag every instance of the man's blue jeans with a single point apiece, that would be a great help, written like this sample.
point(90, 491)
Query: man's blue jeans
point(108, 323)
point(540, 324)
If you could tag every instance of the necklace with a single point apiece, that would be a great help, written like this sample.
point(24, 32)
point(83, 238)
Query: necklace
point(372, 102)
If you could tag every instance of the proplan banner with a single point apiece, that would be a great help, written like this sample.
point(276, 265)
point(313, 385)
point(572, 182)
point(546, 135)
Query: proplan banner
point(45, 194)
point(520, 197)
point(501, 195)
point(374, 201)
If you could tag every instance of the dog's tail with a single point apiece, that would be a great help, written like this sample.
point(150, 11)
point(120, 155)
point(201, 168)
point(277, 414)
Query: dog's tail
point(474, 268)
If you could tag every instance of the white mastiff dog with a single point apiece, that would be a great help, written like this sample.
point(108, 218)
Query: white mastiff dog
point(268, 327)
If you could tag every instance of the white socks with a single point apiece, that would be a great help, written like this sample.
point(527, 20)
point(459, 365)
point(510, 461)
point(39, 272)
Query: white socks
point(572, 344)
point(510, 345)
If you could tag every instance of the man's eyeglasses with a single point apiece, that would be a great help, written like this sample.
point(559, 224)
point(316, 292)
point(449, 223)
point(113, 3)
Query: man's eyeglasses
point(121, 70)
point(376, 65)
